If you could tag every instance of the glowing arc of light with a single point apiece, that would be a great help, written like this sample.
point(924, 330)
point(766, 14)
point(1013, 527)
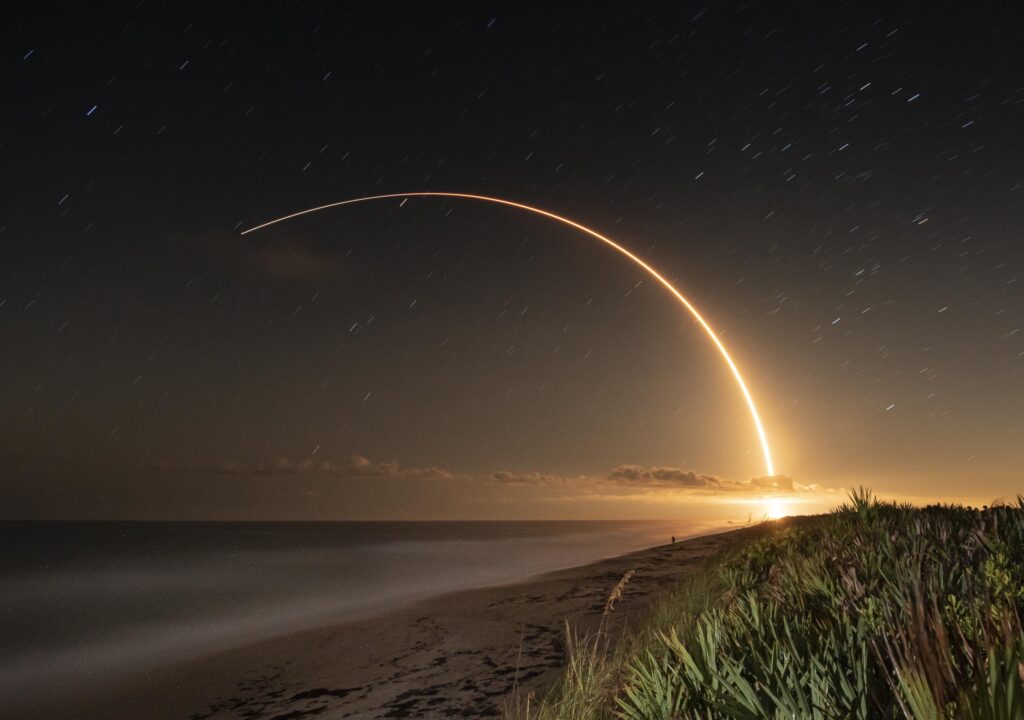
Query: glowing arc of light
point(769, 466)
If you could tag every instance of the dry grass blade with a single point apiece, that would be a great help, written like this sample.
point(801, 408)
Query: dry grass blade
point(617, 592)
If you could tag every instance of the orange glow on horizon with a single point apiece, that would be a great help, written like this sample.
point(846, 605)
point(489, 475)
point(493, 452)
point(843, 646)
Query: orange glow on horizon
point(776, 509)
point(769, 466)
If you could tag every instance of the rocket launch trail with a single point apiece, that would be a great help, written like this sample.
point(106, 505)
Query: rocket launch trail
point(741, 384)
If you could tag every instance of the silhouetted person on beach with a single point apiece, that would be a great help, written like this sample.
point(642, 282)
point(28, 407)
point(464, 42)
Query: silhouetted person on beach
point(673, 538)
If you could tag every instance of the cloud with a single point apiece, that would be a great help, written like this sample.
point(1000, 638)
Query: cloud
point(532, 478)
point(356, 467)
point(667, 477)
point(360, 466)
point(280, 465)
point(283, 259)
point(679, 478)
point(639, 477)
point(294, 262)
point(772, 482)
point(630, 477)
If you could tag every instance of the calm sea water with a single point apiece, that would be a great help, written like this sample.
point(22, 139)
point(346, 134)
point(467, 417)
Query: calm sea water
point(85, 603)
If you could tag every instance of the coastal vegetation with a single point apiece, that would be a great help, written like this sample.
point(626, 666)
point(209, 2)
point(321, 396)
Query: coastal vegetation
point(874, 610)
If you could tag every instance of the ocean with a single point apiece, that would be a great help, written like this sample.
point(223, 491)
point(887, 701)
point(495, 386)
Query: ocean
point(86, 604)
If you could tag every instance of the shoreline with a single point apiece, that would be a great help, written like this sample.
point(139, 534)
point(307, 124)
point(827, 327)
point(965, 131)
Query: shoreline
point(454, 655)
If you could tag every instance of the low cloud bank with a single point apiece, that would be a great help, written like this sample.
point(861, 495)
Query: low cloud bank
point(637, 477)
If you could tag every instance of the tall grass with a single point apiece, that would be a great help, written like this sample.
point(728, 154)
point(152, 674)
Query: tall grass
point(589, 671)
point(876, 610)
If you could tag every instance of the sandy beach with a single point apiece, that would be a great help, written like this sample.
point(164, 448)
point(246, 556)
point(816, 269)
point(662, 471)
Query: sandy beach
point(457, 655)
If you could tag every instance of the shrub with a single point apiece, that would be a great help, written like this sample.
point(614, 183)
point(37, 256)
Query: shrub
point(875, 610)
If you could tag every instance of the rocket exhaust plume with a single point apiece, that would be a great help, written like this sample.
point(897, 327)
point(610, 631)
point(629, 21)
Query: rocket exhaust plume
point(769, 467)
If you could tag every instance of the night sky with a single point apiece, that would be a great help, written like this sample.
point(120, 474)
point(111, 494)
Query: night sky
point(838, 188)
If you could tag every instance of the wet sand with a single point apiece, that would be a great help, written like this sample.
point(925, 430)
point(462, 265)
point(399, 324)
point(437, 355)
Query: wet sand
point(456, 656)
